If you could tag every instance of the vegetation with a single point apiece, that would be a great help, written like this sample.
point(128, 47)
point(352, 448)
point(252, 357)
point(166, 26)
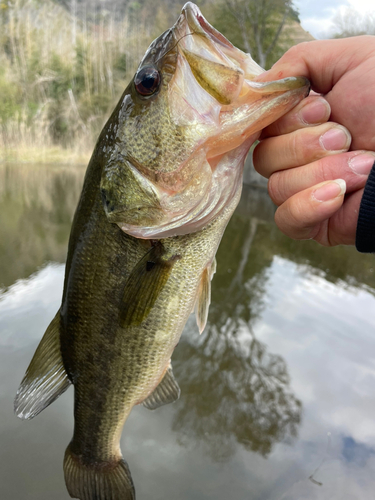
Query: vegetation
point(349, 22)
point(257, 26)
point(59, 75)
point(64, 63)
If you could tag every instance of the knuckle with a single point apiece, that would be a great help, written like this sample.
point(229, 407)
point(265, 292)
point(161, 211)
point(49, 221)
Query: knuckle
point(279, 219)
point(322, 172)
point(286, 220)
point(301, 47)
point(261, 153)
point(322, 235)
point(293, 146)
point(275, 188)
point(293, 52)
point(292, 219)
point(256, 157)
point(294, 216)
point(278, 127)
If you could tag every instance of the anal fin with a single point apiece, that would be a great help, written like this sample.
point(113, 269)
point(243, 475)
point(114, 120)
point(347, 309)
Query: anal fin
point(168, 391)
point(45, 378)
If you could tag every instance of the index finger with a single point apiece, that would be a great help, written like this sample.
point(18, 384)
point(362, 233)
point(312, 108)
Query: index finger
point(314, 110)
point(323, 62)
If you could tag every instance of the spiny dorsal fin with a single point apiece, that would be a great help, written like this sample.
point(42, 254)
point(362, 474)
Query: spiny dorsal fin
point(45, 379)
point(204, 296)
point(144, 285)
point(166, 392)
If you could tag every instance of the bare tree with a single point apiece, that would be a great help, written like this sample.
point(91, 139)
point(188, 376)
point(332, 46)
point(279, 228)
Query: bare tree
point(349, 22)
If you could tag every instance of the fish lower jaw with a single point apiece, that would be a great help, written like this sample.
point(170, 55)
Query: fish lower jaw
point(183, 226)
point(222, 196)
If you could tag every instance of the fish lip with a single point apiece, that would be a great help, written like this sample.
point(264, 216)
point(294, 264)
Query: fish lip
point(194, 21)
point(308, 85)
point(283, 85)
point(200, 26)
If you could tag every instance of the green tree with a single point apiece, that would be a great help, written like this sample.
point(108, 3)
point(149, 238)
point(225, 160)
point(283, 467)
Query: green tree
point(256, 26)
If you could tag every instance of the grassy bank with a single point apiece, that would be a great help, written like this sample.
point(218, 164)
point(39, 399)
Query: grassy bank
point(45, 155)
point(61, 75)
point(65, 63)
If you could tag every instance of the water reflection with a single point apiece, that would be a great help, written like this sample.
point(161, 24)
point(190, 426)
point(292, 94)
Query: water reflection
point(290, 332)
point(36, 207)
point(234, 390)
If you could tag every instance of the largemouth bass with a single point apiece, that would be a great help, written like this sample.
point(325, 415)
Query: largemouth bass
point(162, 183)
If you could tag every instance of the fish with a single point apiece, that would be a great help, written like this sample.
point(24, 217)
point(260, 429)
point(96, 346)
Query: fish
point(162, 183)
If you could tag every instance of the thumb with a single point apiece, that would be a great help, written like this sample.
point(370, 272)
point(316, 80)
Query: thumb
point(323, 62)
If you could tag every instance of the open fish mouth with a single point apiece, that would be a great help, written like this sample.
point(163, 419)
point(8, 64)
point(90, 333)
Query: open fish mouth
point(202, 120)
point(227, 74)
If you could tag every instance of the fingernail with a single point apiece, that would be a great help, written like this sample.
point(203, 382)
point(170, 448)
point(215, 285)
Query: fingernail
point(335, 139)
point(330, 190)
point(362, 164)
point(316, 111)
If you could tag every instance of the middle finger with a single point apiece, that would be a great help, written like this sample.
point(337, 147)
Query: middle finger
point(311, 111)
point(300, 147)
point(353, 167)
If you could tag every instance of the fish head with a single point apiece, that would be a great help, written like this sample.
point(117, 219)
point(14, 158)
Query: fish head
point(183, 128)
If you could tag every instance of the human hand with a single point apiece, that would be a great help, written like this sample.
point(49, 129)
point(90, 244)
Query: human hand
point(296, 157)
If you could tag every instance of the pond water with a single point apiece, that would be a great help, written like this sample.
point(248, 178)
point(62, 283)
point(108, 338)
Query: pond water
point(278, 393)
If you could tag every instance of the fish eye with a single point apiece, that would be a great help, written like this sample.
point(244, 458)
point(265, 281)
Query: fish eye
point(147, 81)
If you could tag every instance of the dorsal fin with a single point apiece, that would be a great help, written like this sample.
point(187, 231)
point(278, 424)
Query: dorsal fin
point(166, 392)
point(203, 301)
point(45, 378)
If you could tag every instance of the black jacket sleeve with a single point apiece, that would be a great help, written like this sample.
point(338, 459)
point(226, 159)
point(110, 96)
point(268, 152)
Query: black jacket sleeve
point(365, 237)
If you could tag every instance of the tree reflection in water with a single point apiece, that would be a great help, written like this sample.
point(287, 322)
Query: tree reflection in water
point(233, 390)
point(37, 204)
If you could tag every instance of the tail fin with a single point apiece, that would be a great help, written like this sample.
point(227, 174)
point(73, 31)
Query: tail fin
point(99, 480)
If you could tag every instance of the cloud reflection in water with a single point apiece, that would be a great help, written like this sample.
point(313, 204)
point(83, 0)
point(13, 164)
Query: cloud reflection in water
point(288, 356)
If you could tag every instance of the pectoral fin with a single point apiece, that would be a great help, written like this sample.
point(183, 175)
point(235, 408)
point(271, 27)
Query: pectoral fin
point(166, 392)
point(144, 285)
point(204, 296)
point(45, 379)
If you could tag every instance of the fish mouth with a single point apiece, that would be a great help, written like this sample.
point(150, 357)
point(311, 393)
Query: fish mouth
point(219, 109)
point(222, 69)
point(200, 26)
point(239, 105)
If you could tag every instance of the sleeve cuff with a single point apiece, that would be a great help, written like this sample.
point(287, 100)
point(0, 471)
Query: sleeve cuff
point(365, 236)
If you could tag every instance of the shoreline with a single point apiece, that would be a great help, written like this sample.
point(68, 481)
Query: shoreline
point(47, 156)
